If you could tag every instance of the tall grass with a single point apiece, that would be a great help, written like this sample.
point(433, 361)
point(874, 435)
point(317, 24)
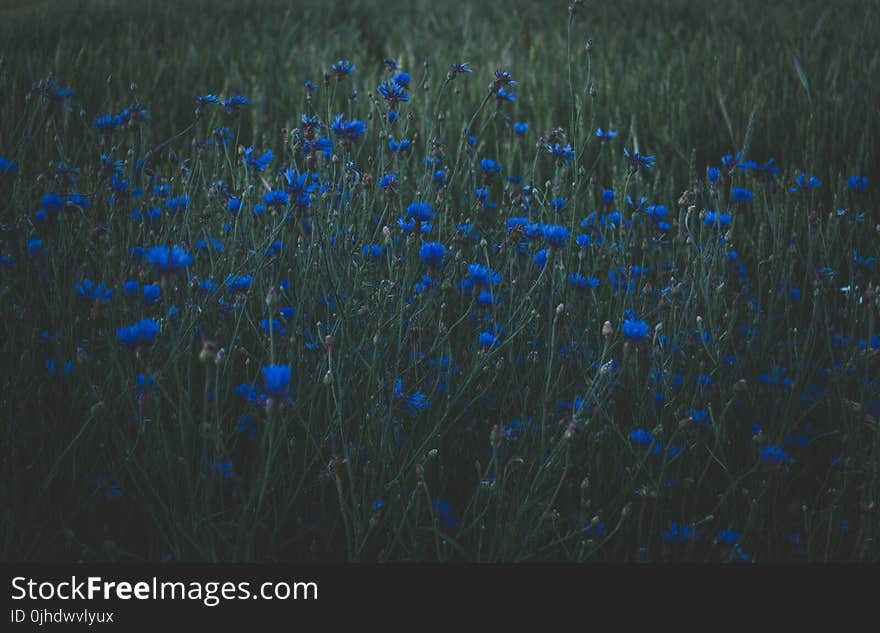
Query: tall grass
point(748, 408)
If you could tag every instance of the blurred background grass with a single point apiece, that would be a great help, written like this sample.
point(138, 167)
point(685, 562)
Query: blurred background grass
point(685, 77)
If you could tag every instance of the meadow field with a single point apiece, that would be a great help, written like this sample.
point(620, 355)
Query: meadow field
point(439, 281)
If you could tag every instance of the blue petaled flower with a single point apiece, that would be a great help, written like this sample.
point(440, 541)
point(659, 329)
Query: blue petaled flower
point(138, 335)
point(347, 130)
point(561, 154)
point(167, 260)
point(372, 251)
point(773, 455)
point(239, 283)
point(206, 100)
point(52, 203)
point(393, 93)
point(501, 96)
point(151, 294)
point(444, 511)
point(92, 292)
point(577, 280)
point(502, 77)
point(520, 129)
point(402, 79)
point(855, 183)
point(802, 183)
point(460, 68)
point(488, 340)
point(257, 163)
point(633, 328)
point(234, 103)
point(432, 254)
point(8, 167)
point(482, 276)
point(413, 403)
point(741, 196)
point(398, 148)
point(680, 534)
point(483, 196)
point(342, 68)
point(276, 379)
point(389, 182)
point(636, 160)
point(275, 198)
point(490, 167)
point(420, 211)
point(605, 136)
point(641, 437)
point(727, 537)
point(713, 174)
point(554, 235)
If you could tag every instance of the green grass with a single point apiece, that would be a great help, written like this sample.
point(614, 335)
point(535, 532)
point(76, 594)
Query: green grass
point(682, 81)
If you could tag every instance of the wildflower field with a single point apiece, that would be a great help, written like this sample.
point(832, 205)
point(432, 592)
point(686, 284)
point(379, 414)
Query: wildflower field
point(302, 281)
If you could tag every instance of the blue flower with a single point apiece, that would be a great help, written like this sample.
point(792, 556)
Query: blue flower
point(206, 100)
point(444, 510)
point(276, 379)
point(482, 276)
point(682, 534)
point(605, 136)
point(420, 211)
point(520, 129)
point(502, 77)
point(502, 95)
point(773, 455)
point(636, 160)
point(460, 68)
point(541, 258)
point(554, 235)
point(562, 155)
point(804, 184)
point(275, 198)
point(389, 183)
point(713, 174)
point(255, 163)
point(151, 294)
point(641, 437)
point(342, 68)
point(393, 93)
point(634, 329)
point(483, 196)
point(741, 196)
point(413, 403)
point(432, 254)
point(488, 340)
point(727, 537)
point(577, 280)
point(398, 148)
point(138, 335)
point(372, 251)
point(52, 203)
point(8, 167)
point(239, 283)
point(490, 167)
point(347, 130)
point(94, 293)
point(234, 103)
point(402, 79)
point(168, 260)
point(855, 183)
